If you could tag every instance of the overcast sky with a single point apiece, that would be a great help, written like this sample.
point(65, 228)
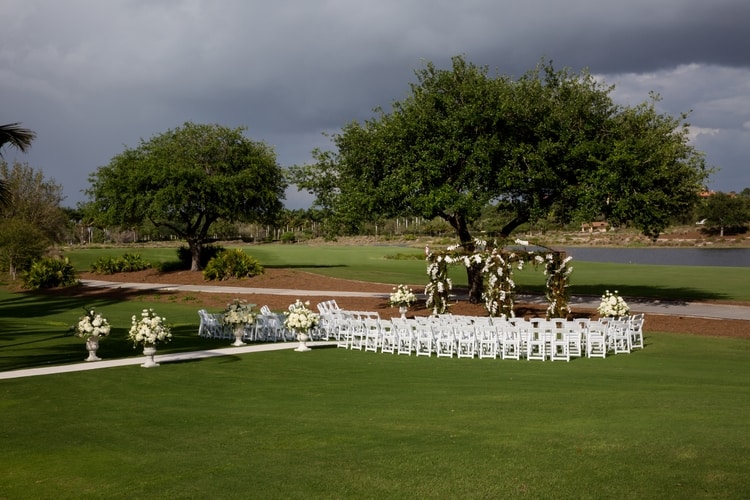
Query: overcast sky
point(92, 77)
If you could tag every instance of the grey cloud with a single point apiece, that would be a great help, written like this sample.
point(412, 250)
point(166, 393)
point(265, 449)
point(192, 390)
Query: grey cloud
point(92, 76)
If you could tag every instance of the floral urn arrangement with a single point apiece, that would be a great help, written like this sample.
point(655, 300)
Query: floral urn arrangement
point(300, 319)
point(148, 330)
point(402, 297)
point(92, 326)
point(612, 305)
point(238, 315)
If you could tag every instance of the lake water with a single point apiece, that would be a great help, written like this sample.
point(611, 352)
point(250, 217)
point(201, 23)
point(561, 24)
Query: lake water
point(734, 257)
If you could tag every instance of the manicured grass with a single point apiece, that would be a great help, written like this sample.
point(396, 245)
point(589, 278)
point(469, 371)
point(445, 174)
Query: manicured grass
point(668, 421)
point(372, 263)
point(34, 327)
point(665, 422)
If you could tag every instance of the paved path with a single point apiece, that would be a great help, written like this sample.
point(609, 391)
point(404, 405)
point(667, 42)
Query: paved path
point(159, 358)
point(672, 308)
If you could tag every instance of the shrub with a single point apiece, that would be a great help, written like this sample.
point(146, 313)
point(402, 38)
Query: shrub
point(126, 264)
point(232, 264)
point(50, 272)
point(288, 237)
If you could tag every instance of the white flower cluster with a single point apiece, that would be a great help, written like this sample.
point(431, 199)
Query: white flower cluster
point(300, 318)
point(239, 312)
point(150, 328)
point(613, 305)
point(402, 296)
point(92, 324)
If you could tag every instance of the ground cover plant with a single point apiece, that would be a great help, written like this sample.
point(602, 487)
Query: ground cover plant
point(335, 423)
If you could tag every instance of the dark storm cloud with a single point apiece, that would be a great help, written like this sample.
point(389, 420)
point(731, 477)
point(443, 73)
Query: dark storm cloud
point(91, 77)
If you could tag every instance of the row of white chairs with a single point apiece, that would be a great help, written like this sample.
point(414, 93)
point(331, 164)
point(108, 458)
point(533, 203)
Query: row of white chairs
point(447, 336)
point(267, 327)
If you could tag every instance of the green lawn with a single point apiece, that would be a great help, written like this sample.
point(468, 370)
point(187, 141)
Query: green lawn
point(668, 421)
point(665, 422)
point(376, 264)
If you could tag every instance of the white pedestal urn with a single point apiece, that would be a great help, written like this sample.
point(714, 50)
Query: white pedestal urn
point(92, 345)
point(149, 351)
point(302, 338)
point(239, 332)
point(402, 310)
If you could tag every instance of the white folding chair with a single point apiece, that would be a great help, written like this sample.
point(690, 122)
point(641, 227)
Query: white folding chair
point(423, 340)
point(405, 341)
point(596, 340)
point(211, 325)
point(511, 336)
point(619, 336)
point(536, 345)
point(372, 334)
point(559, 343)
point(487, 342)
point(466, 341)
point(388, 336)
point(636, 330)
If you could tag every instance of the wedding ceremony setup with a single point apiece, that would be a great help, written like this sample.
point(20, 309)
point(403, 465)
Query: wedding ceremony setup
point(446, 335)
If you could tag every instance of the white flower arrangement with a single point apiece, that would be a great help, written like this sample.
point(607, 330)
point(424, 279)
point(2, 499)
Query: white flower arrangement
point(300, 318)
point(92, 324)
point(238, 312)
point(402, 296)
point(150, 328)
point(613, 305)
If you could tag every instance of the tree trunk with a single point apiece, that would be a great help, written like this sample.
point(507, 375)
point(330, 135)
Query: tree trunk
point(195, 254)
point(474, 271)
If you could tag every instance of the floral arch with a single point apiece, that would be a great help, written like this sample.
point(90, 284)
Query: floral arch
point(497, 269)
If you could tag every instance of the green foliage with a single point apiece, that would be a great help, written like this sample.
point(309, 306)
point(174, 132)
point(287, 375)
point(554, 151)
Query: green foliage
point(232, 263)
point(186, 180)
point(550, 146)
point(20, 245)
point(725, 212)
point(50, 272)
point(288, 237)
point(125, 264)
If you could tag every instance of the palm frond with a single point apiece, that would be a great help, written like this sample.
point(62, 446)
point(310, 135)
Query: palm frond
point(16, 136)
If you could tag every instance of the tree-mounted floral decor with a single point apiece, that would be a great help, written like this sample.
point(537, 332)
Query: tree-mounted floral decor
point(498, 263)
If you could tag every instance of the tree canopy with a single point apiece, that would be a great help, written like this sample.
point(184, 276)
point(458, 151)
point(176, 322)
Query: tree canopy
point(188, 178)
point(549, 145)
point(725, 211)
point(31, 219)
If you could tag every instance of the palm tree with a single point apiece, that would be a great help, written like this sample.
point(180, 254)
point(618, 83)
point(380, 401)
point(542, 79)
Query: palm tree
point(20, 138)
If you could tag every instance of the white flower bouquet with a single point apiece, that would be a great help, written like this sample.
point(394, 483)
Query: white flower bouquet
point(149, 329)
point(613, 305)
point(238, 312)
point(92, 324)
point(402, 296)
point(300, 318)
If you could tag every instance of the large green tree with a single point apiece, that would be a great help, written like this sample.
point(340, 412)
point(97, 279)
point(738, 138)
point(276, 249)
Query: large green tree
point(725, 212)
point(31, 219)
point(188, 178)
point(551, 144)
point(13, 134)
